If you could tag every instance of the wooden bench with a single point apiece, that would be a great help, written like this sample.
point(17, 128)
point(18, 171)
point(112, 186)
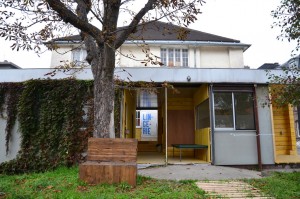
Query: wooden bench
point(110, 161)
point(188, 146)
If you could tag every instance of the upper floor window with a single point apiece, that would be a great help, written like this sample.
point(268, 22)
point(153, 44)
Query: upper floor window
point(174, 57)
point(78, 56)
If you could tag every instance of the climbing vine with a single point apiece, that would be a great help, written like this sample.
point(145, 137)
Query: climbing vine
point(50, 116)
point(55, 119)
point(9, 95)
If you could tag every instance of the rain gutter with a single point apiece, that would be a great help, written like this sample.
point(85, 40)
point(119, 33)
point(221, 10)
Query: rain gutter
point(173, 42)
point(191, 43)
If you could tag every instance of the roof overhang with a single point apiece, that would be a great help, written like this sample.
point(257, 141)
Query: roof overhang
point(190, 43)
point(167, 42)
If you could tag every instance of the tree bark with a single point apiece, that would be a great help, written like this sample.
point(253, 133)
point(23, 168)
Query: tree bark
point(104, 92)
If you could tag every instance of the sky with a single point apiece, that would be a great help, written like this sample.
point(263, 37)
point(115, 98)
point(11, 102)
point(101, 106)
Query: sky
point(246, 20)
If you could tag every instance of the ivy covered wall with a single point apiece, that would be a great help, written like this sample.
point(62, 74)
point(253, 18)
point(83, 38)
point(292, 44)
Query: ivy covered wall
point(55, 119)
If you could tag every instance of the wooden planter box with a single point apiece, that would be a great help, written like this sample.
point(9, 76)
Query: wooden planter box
point(110, 161)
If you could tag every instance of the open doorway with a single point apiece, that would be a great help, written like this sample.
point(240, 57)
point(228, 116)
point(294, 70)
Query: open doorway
point(164, 118)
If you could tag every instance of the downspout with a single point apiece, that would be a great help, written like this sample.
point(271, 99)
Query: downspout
point(257, 131)
point(195, 59)
point(121, 113)
point(212, 128)
point(166, 124)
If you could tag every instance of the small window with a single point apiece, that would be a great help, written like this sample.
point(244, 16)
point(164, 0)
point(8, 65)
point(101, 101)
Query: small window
point(138, 119)
point(238, 115)
point(174, 57)
point(79, 56)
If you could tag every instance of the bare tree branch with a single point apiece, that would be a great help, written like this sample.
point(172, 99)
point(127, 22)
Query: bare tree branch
point(69, 17)
point(137, 18)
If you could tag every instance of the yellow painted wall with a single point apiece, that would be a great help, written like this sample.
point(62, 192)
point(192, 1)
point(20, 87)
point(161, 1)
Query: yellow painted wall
point(184, 152)
point(284, 131)
point(138, 134)
point(202, 136)
point(200, 95)
point(128, 120)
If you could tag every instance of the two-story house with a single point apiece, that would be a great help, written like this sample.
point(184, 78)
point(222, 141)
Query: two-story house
point(217, 115)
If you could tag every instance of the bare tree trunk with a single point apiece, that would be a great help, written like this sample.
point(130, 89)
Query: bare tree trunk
point(104, 93)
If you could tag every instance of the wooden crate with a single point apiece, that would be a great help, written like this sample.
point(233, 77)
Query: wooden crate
point(110, 161)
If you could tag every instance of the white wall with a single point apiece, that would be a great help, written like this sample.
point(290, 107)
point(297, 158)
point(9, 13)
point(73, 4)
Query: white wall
point(131, 55)
point(214, 57)
point(61, 54)
point(236, 58)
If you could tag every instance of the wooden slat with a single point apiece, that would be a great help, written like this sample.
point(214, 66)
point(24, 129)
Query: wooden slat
point(106, 149)
point(286, 147)
point(229, 189)
point(283, 139)
point(282, 152)
point(108, 172)
point(110, 161)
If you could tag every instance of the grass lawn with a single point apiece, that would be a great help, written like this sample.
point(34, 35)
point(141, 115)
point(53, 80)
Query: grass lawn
point(279, 185)
point(64, 183)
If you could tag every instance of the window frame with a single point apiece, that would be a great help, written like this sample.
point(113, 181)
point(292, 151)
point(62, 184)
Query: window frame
point(234, 128)
point(138, 118)
point(82, 52)
point(166, 52)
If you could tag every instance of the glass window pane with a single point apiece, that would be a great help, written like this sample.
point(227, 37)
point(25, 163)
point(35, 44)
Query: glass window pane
point(202, 115)
point(244, 111)
point(138, 118)
point(223, 110)
point(76, 55)
point(177, 57)
point(185, 60)
point(84, 54)
point(171, 57)
point(163, 56)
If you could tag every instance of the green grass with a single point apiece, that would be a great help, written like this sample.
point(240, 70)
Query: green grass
point(279, 185)
point(64, 183)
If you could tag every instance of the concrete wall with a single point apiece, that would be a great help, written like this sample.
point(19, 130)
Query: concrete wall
point(265, 126)
point(14, 142)
point(235, 148)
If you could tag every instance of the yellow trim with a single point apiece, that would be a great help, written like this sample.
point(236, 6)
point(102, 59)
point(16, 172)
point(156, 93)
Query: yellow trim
point(202, 136)
point(128, 120)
